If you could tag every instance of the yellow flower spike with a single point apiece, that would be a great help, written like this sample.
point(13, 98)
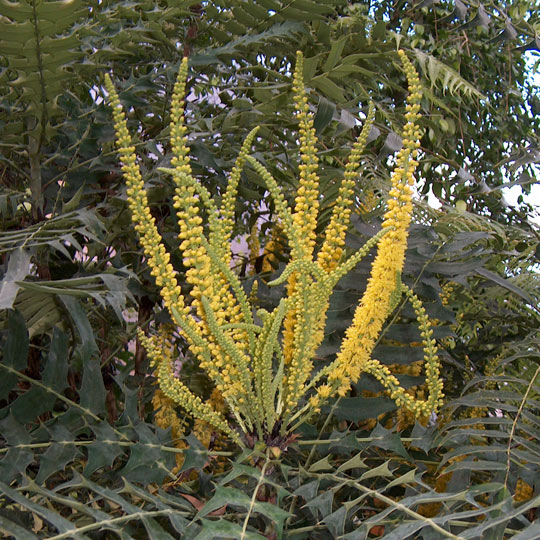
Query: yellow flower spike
point(332, 248)
point(316, 310)
point(189, 195)
point(263, 359)
point(229, 198)
point(179, 143)
point(307, 199)
point(201, 274)
point(306, 203)
point(360, 338)
point(307, 336)
point(238, 379)
point(158, 258)
point(186, 201)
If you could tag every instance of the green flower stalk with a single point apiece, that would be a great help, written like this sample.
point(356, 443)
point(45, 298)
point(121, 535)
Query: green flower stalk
point(262, 365)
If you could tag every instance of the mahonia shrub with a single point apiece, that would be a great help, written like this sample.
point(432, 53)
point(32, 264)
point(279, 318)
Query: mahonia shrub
point(260, 361)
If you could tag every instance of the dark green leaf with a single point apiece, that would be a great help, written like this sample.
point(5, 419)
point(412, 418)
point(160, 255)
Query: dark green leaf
point(323, 464)
point(359, 408)
point(224, 529)
point(308, 491)
point(336, 521)
point(32, 403)
point(388, 354)
point(406, 333)
point(58, 455)
point(227, 496)
point(15, 352)
point(56, 369)
point(506, 284)
point(92, 392)
point(195, 455)
point(384, 438)
point(103, 450)
point(15, 460)
point(154, 530)
point(356, 462)
point(322, 503)
point(328, 87)
point(335, 53)
point(14, 530)
point(324, 115)
point(146, 460)
point(423, 437)
point(62, 524)
point(79, 317)
point(16, 347)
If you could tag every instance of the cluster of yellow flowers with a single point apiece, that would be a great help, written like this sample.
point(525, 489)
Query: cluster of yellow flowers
point(260, 361)
point(523, 492)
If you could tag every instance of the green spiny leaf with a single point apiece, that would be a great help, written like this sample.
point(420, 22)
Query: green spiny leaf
point(195, 456)
point(15, 351)
point(58, 455)
point(15, 460)
point(103, 450)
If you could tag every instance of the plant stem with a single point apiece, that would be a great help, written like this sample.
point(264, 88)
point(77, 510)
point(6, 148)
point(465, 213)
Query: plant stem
point(254, 497)
point(35, 178)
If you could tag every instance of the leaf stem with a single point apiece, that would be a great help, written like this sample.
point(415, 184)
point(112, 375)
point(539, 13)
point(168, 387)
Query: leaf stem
point(161, 447)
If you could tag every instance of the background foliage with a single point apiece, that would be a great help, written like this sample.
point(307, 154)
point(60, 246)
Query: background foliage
point(81, 452)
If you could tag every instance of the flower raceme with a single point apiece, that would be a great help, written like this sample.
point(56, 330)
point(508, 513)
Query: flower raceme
point(260, 361)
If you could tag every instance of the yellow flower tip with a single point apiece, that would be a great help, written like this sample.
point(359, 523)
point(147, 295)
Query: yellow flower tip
point(298, 83)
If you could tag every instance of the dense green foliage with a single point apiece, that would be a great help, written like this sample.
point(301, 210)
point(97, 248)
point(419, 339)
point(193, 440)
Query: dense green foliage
point(81, 453)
